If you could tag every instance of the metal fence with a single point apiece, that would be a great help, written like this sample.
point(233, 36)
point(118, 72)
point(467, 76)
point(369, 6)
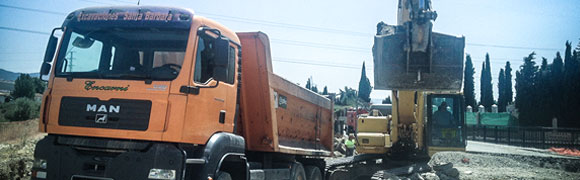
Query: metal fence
point(538, 137)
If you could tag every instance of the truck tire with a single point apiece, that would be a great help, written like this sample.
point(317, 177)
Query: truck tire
point(222, 175)
point(313, 173)
point(297, 172)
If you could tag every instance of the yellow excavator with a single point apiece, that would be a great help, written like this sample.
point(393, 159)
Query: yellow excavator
point(424, 71)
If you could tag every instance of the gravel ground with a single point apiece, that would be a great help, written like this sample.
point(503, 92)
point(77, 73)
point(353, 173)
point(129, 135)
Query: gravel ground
point(501, 166)
point(463, 165)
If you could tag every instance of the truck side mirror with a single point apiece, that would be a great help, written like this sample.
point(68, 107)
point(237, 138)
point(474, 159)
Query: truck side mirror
point(45, 69)
point(221, 59)
point(51, 47)
point(49, 53)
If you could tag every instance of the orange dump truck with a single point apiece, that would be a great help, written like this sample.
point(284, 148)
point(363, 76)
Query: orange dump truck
point(141, 92)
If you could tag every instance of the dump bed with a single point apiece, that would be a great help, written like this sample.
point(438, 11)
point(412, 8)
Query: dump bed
point(277, 115)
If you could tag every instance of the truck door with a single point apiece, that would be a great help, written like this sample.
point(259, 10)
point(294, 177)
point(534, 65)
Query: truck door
point(445, 123)
point(211, 103)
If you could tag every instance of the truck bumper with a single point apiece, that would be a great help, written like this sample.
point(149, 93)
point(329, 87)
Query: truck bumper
point(65, 157)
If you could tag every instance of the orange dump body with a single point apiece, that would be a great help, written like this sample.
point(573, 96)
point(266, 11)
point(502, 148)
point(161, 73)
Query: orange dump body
point(277, 115)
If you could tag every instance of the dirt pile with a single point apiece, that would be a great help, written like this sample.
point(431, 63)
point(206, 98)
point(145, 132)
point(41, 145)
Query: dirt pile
point(16, 157)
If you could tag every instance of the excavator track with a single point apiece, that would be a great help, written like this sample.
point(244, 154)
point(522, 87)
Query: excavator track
point(366, 166)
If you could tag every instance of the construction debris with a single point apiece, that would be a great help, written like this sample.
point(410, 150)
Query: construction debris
point(565, 151)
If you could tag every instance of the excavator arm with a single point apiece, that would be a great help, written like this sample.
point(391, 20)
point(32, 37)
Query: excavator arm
point(417, 65)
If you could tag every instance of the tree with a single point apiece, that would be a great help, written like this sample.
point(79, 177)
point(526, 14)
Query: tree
point(509, 95)
point(309, 83)
point(469, 86)
point(325, 91)
point(557, 88)
point(24, 87)
point(525, 84)
point(486, 84)
point(348, 96)
point(315, 89)
point(364, 86)
point(501, 90)
point(387, 100)
point(571, 86)
point(39, 85)
point(542, 95)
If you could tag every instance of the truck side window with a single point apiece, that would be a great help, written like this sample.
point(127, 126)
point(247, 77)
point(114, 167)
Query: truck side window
point(203, 68)
point(231, 65)
point(204, 65)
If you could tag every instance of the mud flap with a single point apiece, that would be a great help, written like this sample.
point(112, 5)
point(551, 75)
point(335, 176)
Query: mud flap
point(438, 69)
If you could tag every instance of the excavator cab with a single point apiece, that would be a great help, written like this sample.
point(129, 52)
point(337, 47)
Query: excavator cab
point(445, 123)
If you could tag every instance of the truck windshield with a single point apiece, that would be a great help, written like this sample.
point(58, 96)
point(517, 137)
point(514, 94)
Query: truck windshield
point(122, 53)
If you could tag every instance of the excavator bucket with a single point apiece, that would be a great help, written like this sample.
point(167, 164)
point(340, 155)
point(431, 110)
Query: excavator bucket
point(440, 68)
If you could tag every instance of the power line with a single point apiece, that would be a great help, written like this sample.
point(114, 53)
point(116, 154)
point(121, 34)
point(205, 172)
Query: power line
point(321, 45)
point(305, 62)
point(513, 47)
point(32, 10)
point(23, 30)
point(295, 26)
point(286, 25)
point(128, 2)
point(230, 18)
point(96, 2)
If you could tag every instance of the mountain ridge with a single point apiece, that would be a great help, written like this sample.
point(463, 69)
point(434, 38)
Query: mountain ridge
point(12, 76)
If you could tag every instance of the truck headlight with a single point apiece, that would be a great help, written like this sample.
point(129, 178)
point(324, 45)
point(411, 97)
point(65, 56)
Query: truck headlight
point(161, 174)
point(39, 163)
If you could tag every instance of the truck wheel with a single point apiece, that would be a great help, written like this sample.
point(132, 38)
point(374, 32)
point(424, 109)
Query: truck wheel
point(312, 173)
point(297, 172)
point(222, 175)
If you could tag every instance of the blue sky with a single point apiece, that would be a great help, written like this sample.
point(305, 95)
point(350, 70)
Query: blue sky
point(326, 40)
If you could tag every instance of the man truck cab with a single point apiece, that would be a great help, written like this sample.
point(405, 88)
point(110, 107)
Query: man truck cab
point(145, 92)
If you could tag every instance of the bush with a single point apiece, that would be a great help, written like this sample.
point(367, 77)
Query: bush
point(2, 119)
point(20, 109)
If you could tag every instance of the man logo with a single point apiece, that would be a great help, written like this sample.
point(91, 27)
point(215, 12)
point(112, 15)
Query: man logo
point(103, 108)
point(101, 118)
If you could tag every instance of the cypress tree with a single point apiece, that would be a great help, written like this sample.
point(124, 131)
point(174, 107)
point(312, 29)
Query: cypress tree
point(557, 88)
point(309, 84)
point(481, 84)
point(509, 95)
point(468, 87)
point(571, 73)
point(525, 79)
point(501, 89)
point(364, 86)
point(325, 91)
point(542, 95)
point(486, 84)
